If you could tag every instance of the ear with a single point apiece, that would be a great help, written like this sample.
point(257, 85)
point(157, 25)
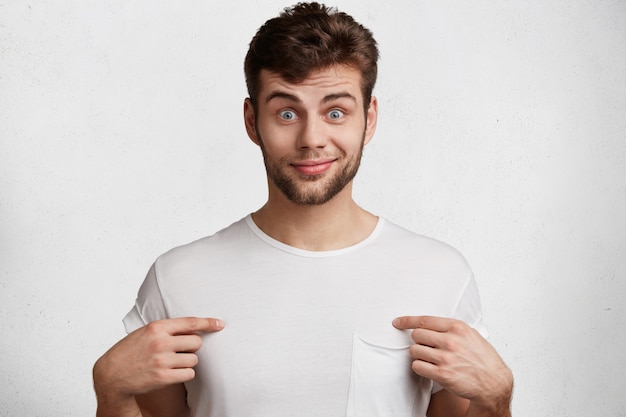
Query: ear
point(249, 119)
point(371, 119)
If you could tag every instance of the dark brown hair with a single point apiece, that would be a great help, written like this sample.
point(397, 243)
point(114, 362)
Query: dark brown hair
point(308, 37)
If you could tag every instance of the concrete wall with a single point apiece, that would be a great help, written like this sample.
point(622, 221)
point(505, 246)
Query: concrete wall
point(502, 132)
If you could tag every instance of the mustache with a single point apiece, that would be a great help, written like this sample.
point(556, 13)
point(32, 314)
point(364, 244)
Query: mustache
point(310, 154)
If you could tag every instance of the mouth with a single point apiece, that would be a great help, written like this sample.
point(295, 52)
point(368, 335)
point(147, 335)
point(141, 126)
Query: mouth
point(313, 167)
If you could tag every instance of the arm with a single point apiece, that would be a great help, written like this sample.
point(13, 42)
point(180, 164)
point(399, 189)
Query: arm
point(165, 402)
point(446, 404)
point(142, 374)
point(168, 401)
point(456, 356)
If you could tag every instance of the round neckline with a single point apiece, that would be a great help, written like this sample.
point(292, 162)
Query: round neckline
point(309, 253)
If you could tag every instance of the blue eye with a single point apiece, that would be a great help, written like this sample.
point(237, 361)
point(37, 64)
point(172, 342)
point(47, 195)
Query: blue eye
point(287, 114)
point(335, 114)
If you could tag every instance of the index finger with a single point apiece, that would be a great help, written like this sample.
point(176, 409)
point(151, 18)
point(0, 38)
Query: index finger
point(437, 324)
point(191, 325)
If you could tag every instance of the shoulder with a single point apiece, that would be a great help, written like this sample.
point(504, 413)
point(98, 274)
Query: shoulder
point(219, 243)
point(398, 238)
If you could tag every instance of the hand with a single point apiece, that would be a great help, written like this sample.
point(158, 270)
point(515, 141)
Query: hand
point(157, 355)
point(457, 357)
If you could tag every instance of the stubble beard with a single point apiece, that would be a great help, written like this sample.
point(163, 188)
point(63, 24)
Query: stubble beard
point(310, 190)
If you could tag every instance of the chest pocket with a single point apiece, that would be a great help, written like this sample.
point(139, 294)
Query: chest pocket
point(382, 383)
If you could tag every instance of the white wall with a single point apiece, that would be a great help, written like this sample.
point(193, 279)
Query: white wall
point(502, 132)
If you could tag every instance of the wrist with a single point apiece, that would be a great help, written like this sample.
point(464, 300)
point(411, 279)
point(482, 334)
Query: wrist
point(493, 409)
point(112, 404)
point(111, 400)
point(497, 403)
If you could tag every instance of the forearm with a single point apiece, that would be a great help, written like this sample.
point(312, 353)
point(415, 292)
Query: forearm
point(495, 406)
point(111, 406)
point(156, 404)
point(112, 403)
point(479, 411)
point(498, 410)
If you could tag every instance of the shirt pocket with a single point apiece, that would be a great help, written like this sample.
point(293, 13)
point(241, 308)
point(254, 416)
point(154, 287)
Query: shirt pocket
point(382, 383)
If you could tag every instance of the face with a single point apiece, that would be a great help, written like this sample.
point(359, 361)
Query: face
point(311, 133)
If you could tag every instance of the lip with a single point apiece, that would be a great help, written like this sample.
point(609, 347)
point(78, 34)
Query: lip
point(313, 167)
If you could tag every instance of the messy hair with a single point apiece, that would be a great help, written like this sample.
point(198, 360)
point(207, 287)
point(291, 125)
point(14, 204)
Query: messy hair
point(309, 37)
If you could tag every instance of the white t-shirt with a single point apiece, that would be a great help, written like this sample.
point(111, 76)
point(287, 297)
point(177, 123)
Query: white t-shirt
point(308, 333)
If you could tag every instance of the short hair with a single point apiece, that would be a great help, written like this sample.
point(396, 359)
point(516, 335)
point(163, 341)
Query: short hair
point(309, 37)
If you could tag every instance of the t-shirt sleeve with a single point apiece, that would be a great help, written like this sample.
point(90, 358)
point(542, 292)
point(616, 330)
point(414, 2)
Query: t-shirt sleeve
point(469, 310)
point(149, 305)
point(469, 307)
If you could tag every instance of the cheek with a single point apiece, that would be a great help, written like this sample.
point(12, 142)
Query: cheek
point(274, 140)
point(350, 139)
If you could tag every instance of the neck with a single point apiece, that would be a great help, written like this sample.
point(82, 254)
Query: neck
point(336, 224)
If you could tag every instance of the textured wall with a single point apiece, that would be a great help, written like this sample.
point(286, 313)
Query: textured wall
point(502, 132)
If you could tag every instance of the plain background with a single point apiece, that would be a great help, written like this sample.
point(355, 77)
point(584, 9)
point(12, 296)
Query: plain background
point(502, 132)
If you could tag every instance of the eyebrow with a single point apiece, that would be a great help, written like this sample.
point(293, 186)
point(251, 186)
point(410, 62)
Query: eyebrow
point(281, 94)
point(337, 96)
point(295, 99)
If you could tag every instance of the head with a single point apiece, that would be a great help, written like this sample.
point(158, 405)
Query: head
point(310, 37)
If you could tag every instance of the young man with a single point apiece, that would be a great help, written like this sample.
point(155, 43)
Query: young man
point(311, 306)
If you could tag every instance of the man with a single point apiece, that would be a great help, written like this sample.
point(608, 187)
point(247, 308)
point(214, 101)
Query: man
point(311, 306)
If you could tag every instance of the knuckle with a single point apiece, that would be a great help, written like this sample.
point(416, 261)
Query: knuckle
point(459, 327)
point(158, 363)
point(155, 327)
point(157, 345)
point(450, 345)
point(161, 376)
point(193, 323)
point(444, 374)
point(423, 322)
point(445, 357)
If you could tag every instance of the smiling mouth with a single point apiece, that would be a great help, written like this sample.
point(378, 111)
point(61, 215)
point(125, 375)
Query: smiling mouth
point(313, 167)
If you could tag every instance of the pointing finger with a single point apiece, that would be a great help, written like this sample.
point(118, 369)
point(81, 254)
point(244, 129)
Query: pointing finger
point(438, 324)
point(186, 325)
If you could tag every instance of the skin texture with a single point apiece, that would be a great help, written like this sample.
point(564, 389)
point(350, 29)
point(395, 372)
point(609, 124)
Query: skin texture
point(157, 357)
point(456, 356)
point(311, 135)
point(321, 110)
point(313, 150)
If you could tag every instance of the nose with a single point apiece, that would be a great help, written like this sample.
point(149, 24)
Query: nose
point(312, 135)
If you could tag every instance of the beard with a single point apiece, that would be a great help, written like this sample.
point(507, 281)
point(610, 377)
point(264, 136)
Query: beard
point(310, 190)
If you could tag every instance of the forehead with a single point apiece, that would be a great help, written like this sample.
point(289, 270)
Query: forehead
point(319, 83)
